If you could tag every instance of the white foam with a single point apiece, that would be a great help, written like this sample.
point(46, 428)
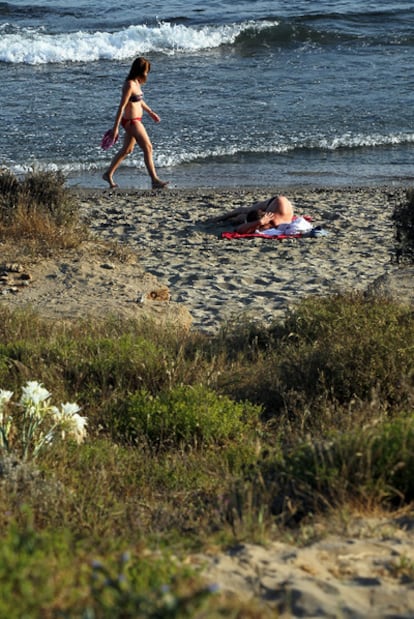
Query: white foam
point(33, 46)
point(347, 141)
point(357, 140)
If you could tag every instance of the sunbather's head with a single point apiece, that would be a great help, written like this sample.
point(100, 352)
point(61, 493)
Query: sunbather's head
point(255, 214)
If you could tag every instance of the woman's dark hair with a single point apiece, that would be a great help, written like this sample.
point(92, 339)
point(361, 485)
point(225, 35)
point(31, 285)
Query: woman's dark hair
point(253, 215)
point(139, 67)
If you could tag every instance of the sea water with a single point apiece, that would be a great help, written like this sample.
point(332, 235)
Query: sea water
point(258, 92)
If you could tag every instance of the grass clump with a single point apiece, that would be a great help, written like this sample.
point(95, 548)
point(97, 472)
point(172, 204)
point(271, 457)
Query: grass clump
point(325, 361)
point(38, 211)
point(349, 346)
point(9, 195)
point(364, 468)
point(46, 192)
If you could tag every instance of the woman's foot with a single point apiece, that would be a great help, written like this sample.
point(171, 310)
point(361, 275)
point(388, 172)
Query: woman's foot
point(109, 180)
point(159, 184)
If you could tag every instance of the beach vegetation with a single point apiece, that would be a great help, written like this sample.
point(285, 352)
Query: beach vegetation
point(403, 219)
point(39, 211)
point(186, 417)
point(196, 440)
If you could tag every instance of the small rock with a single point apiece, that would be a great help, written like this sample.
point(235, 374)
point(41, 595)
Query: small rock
point(13, 267)
point(396, 284)
point(156, 294)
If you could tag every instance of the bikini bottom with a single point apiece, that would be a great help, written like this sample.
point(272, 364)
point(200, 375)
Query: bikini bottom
point(126, 121)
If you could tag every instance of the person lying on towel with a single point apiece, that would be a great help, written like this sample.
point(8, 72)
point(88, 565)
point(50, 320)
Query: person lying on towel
point(272, 217)
point(266, 215)
point(279, 205)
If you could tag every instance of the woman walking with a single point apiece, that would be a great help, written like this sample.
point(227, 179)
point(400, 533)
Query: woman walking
point(129, 115)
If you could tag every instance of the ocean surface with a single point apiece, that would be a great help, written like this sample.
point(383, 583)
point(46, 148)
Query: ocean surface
point(250, 93)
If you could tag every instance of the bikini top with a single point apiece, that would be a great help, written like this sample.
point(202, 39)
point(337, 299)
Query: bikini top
point(136, 98)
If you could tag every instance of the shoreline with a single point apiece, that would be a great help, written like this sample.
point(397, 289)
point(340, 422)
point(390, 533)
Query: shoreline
point(84, 191)
point(193, 178)
point(334, 170)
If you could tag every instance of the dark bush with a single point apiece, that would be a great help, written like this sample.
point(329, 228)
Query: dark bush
point(403, 218)
point(43, 192)
point(328, 355)
point(9, 195)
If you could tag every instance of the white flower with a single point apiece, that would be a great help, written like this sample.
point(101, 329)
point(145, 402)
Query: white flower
point(75, 424)
point(5, 397)
point(77, 427)
point(41, 422)
point(48, 439)
point(70, 408)
point(34, 393)
point(55, 412)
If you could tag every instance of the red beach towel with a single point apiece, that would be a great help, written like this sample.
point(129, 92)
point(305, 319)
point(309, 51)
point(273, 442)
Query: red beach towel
point(279, 237)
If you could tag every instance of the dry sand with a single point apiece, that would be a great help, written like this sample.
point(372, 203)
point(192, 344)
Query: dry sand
point(364, 570)
point(213, 279)
point(186, 273)
point(219, 279)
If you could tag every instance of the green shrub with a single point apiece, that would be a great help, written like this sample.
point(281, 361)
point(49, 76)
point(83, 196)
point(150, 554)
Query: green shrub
point(127, 362)
point(329, 352)
point(29, 579)
point(48, 575)
point(367, 466)
point(148, 588)
point(185, 416)
point(349, 346)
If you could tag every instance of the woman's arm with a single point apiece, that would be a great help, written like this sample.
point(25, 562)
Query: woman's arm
point(149, 111)
point(251, 226)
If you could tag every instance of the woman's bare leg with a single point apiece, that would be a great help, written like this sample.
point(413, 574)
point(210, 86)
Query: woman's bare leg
point(127, 148)
point(141, 136)
point(237, 215)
